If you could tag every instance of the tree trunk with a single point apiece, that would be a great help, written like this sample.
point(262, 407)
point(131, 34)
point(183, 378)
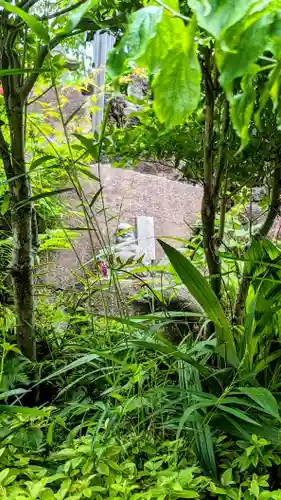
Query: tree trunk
point(21, 220)
point(208, 210)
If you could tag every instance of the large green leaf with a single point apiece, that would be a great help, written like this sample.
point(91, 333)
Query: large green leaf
point(13, 392)
point(169, 37)
point(177, 85)
point(142, 28)
point(216, 16)
point(31, 21)
point(260, 256)
point(167, 48)
point(77, 14)
point(241, 49)
point(202, 292)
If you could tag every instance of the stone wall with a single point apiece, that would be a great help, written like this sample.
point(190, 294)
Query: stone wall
point(128, 194)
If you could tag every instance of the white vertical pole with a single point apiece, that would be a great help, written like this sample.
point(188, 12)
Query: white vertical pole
point(102, 44)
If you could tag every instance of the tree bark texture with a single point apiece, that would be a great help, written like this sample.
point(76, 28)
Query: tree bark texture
point(22, 215)
point(208, 211)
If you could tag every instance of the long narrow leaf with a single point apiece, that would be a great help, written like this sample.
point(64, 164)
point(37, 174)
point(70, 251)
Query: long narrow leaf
point(202, 292)
point(33, 412)
point(88, 172)
point(238, 414)
point(95, 197)
point(48, 194)
point(40, 161)
point(22, 71)
point(171, 351)
point(13, 392)
point(263, 398)
point(189, 379)
point(90, 145)
point(75, 364)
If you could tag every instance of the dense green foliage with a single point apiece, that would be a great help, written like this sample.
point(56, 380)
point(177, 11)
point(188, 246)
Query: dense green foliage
point(171, 404)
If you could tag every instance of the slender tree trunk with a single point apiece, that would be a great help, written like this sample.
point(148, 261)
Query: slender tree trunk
point(262, 233)
point(208, 210)
point(221, 174)
point(223, 203)
point(16, 88)
point(22, 214)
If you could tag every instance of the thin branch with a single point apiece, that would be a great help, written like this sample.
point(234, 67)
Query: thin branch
point(5, 154)
point(34, 232)
point(222, 149)
point(222, 217)
point(30, 82)
point(42, 54)
point(174, 12)
point(39, 97)
point(274, 204)
point(70, 118)
point(62, 11)
point(27, 4)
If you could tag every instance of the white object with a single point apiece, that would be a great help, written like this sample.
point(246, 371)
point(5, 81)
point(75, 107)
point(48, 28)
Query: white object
point(146, 238)
point(102, 44)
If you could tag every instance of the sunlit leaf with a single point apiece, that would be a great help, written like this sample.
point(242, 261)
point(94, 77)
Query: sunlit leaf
point(142, 28)
point(5, 203)
point(217, 16)
point(79, 13)
point(177, 85)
